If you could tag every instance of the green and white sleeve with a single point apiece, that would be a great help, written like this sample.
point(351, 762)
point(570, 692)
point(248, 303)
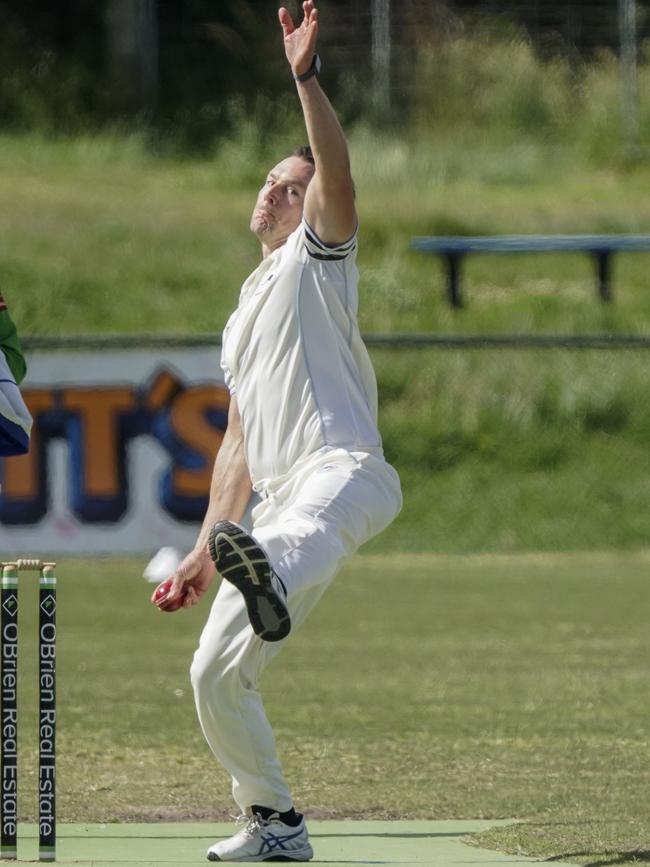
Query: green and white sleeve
point(15, 419)
point(10, 344)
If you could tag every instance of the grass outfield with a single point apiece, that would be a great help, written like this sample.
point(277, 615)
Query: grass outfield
point(498, 450)
point(505, 450)
point(99, 235)
point(422, 687)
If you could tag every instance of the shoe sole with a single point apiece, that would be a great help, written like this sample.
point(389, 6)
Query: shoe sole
point(241, 561)
point(302, 855)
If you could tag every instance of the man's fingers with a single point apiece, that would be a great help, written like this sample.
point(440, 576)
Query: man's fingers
point(179, 590)
point(166, 605)
point(311, 18)
point(286, 21)
point(178, 579)
point(190, 598)
point(186, 571)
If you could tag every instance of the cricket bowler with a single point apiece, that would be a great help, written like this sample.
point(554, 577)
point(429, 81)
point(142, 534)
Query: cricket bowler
point(302, 433)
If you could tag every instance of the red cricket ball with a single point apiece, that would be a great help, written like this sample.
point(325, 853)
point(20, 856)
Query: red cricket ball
point(160, 595)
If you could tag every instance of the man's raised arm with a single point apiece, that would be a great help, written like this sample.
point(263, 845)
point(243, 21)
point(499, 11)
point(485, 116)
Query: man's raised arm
point(329, 202)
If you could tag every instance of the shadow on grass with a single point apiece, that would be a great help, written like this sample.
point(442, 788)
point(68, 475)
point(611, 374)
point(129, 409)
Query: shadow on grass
point(636, 856)
point(203, 836)
point(405, 835)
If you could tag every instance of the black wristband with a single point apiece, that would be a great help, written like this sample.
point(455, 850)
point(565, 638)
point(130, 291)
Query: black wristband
point(314, 69)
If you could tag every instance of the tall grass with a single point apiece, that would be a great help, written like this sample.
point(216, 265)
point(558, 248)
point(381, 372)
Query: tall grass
point(492, 86)
point(518, 450)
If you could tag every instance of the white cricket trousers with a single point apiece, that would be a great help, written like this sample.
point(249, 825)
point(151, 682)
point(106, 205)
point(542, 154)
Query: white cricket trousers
point(309, 524)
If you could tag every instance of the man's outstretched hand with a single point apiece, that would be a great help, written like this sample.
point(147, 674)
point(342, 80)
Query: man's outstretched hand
point(300, 42)
point(187, 584)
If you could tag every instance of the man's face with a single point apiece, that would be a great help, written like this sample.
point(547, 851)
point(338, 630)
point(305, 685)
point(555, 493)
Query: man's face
point(280, 202)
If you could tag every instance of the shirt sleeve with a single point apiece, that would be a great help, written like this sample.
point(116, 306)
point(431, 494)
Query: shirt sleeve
point(317, 249)
point(15, 420)
point(10, 344)
point(228, 378)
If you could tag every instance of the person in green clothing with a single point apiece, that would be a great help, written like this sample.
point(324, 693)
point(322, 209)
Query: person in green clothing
point(15, 420)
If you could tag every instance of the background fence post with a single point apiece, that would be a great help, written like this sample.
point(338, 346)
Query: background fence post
point(629, 84)
point(132, 53)
point(381, 54)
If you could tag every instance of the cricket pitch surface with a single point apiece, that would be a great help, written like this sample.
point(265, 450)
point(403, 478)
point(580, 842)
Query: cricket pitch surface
point(347, 843)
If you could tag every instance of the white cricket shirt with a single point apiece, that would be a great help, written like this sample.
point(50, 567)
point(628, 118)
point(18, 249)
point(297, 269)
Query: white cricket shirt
point(293, 355)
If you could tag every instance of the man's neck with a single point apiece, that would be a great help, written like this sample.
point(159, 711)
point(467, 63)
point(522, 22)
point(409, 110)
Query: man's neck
point(269, 247)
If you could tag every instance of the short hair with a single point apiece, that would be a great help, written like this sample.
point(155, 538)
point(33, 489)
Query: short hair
point(305, 152)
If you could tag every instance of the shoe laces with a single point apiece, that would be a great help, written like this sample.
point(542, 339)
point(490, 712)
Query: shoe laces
point(251, 824)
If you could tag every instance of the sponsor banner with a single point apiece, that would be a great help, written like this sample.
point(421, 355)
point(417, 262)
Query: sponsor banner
point(121, 454)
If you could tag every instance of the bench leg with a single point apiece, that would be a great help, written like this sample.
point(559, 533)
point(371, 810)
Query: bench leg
point(453, 280)
point(603, 267)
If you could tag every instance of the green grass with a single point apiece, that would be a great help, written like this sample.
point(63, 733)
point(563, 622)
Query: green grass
point(484, 686)
point(111, 233)
point(99, 235)
point(516, 450)
point(497, 450)
point(489, 685)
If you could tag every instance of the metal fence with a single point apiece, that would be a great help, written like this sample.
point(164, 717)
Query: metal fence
point(383, 33)
point(174, 57)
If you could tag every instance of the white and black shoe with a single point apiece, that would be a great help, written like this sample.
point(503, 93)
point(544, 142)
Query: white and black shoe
point(265, 840)
point(240, 560)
